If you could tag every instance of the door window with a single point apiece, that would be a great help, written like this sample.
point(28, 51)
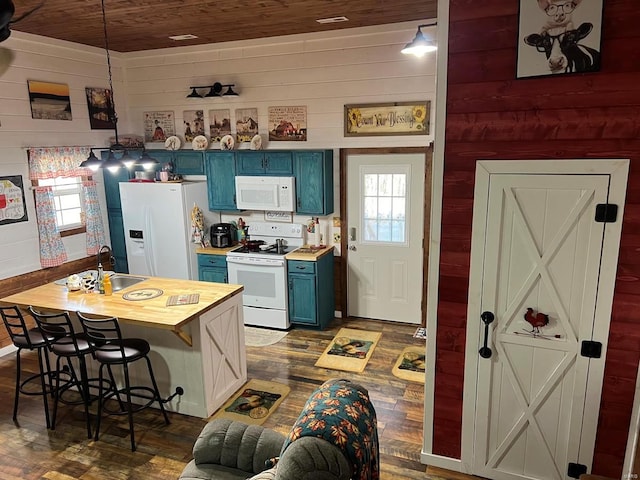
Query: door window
point(385, 205)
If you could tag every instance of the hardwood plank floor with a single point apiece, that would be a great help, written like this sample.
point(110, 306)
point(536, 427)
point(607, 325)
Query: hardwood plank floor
point(30, 451)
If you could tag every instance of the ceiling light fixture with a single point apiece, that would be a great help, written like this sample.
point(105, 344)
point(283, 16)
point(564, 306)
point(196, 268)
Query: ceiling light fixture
point(215, 90)
point(112, 163)
point(420, 45)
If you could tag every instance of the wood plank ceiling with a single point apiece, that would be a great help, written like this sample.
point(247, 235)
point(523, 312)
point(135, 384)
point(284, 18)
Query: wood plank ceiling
point(134, 25)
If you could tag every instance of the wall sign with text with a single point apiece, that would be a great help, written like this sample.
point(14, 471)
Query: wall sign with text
point(398, 118)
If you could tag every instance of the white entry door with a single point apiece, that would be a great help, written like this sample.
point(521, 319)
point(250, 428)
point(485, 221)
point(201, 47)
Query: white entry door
point(542, 251)
point(385, 226)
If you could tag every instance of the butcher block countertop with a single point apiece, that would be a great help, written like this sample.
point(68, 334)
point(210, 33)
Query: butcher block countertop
point(216, 251)
point(308, 253)
point(152, 312)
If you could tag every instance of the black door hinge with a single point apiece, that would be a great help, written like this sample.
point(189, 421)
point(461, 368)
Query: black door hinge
point(606, 212)
point(576, 469)
point(591, 349)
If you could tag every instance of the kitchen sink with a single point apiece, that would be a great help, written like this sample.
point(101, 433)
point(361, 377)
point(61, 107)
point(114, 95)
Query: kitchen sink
point(119, 282)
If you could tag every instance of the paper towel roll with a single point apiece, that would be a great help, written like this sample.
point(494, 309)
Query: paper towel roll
point(317, 235)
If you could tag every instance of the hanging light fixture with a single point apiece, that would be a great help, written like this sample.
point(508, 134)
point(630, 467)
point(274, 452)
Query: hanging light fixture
point(216, 88)
point(112, 163)
point(420, 45)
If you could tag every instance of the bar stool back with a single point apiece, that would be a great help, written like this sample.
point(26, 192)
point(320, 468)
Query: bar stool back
point(25, 338)
point(71, 345)
point(111, 349)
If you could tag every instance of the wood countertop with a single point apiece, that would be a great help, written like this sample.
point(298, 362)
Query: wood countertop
point(152, 312)
point(216, 251)
point(308, 253)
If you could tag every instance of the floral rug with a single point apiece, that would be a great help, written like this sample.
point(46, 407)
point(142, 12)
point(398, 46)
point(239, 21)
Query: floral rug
point(350, 350)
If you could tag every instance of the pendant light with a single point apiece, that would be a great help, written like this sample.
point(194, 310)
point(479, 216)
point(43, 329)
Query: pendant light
point(420, 45)
point(112, 163)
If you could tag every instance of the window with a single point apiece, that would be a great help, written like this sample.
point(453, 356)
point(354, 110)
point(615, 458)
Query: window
point(385, 207)
point(67, 193)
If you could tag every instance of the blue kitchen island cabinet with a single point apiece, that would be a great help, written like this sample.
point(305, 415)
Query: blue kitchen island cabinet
point(264, 162)
point(185, 162)
point(311, 294)
point(212, 268)
point(313, 170)
point(220, 168)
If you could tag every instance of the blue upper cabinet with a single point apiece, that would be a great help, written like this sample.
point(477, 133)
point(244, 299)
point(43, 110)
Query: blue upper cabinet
point(314, 181)
point(220, 168)
point(258, 162)
point(185, 162)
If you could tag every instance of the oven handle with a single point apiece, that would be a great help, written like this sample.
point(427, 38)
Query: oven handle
point(241, 261)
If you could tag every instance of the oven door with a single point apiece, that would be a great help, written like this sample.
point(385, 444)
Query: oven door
point(264, 280)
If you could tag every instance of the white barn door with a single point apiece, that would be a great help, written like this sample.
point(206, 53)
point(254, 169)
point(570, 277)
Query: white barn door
point(536, 393)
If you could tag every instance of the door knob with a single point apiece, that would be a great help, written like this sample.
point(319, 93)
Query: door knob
point(352, 248)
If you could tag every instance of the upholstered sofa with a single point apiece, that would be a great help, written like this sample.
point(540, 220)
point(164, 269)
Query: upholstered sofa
point(231, 450)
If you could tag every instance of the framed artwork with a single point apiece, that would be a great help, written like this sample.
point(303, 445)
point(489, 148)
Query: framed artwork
point(288, 124)
point(219, 124)
point(49, 101)
point(13, 208)
point(557, 37)
point(158, 126)
point(399, 118)
point(246, 124)
point(100, 104)
point(193, 124)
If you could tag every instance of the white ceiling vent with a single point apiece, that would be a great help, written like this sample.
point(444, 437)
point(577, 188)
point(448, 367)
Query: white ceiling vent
point(183, 37)
point(332, 20)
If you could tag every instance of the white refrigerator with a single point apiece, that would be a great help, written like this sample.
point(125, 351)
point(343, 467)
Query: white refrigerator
point(157, 227)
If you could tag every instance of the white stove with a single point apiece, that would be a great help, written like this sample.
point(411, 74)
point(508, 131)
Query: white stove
point(263, 272)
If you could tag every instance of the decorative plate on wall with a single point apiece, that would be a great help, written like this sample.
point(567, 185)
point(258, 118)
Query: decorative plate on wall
point(172, 143)
point(227, 143)
point(256, 143)
point(200, 143)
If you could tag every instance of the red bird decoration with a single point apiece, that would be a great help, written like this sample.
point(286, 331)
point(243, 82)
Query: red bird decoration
point(536, 320)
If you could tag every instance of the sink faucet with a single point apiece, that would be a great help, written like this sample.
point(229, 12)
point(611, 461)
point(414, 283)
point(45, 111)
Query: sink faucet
point(106, 248)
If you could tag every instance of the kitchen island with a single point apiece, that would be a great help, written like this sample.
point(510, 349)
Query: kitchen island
point(198, 347)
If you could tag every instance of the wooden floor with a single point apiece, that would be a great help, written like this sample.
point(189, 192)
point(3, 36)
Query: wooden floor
point(30, 451)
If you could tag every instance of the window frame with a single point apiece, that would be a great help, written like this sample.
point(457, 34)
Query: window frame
point(76, 230)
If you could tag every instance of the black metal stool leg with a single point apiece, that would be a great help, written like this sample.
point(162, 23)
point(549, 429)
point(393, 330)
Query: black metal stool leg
point(84, 392)
point(157, 391)
point(18, 378)
point(44, 373)
point(129, 405)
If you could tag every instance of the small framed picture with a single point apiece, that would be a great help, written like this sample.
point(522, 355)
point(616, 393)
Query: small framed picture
point(558, 37)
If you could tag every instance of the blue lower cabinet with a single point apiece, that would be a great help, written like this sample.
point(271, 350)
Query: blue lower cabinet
point(212, 268)
point(311, 294)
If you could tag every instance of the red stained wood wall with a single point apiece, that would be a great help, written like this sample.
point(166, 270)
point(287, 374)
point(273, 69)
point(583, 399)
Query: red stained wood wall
point(492, 115)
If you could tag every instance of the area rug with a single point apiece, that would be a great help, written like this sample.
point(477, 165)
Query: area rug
point(410, 364)
point(254, 402)
point(261, 337)
point(350, 350)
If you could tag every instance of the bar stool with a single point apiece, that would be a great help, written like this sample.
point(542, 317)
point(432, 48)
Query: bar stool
point(66, 347)
point(25, 338)
point(111, 349)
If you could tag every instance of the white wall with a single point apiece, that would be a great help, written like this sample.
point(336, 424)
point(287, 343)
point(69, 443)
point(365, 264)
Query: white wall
point(323, 71)
point(30, 57)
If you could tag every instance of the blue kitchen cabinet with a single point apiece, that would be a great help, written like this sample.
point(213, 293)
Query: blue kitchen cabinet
point(311, 294)
point(220, 168)
point(314, 181)
point(185, 162)
point(264, 162)
point(212, 268)
point(111, 181)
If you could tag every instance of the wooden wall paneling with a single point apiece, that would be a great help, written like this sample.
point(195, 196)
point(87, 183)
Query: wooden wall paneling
point(493, 115)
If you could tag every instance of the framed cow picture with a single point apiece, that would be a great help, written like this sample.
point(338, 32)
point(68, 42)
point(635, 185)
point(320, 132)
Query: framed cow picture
point(557, 37)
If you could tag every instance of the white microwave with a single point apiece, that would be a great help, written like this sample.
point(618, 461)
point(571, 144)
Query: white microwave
point(265, 193)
